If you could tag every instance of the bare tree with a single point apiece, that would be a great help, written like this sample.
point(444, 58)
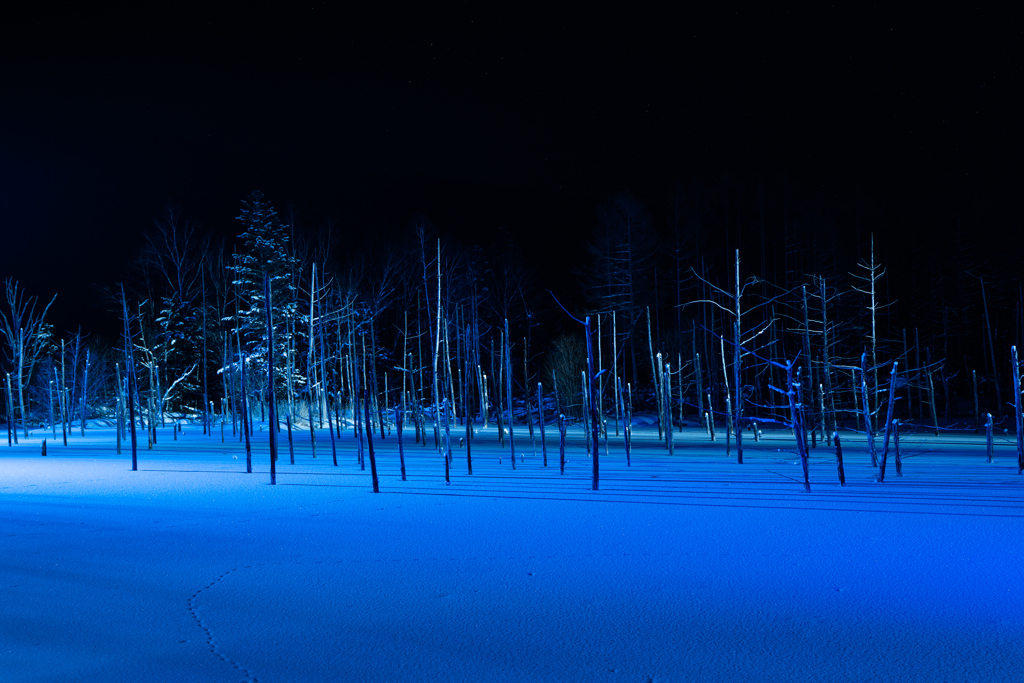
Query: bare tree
point(27, 336)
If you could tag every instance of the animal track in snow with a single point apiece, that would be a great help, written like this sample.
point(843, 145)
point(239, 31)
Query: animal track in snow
point(211, 642)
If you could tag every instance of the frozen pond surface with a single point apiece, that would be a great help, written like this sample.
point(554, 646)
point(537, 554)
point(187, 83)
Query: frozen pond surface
point(683, 568)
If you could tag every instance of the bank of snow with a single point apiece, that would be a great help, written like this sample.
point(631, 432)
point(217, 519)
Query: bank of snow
point(689, 568)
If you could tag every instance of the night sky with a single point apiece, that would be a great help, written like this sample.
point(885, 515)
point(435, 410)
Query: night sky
point(488, 122)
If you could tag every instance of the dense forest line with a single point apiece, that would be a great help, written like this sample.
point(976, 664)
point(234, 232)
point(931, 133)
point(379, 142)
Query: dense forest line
point(693, 315)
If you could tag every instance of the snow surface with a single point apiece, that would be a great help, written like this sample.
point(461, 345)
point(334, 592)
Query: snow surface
point(684, 568)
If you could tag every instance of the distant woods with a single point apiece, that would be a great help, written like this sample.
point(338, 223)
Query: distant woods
point(698, 311)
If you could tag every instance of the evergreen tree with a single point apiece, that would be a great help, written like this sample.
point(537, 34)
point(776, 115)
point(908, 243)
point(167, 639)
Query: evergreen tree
point(265, 250)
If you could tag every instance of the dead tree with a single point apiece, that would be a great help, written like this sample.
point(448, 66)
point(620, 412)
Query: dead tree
point(1018, 416)
point(734, 309)
point(839, 458)
point(129, 368)
point(873, 273)
point(272, 414)
point(888, 422)
point(369, 443)
point(594, 428)
point(795, 422)
point(27, 335)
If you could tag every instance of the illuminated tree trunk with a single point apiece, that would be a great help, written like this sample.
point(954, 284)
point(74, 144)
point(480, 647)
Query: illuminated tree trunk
point(323, 378)
point(369, 441)
point(1019, 417)
point(888, 423)
point(272, 414)
point(839, 458)
point(868, 429)
point(593, 408)
point(245, 419)
point(540, 418)
point(508, 393)
point(85, 387)
point(399, 414)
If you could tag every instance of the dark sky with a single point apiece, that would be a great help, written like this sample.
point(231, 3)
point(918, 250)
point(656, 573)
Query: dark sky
point(478, 119)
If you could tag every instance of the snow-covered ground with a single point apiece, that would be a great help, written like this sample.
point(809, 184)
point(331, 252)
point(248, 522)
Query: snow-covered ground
point(684, 568)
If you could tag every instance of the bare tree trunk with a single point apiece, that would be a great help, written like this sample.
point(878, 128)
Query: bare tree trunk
point(245, 418)
point(21, 390)
point(540, 419)
point(12, 425)
point(129, 368)
point(508, 393)
point(796, 415)
point(369, 442)
point(357, 421)
point(593, 408)
point(807, 384)
point(992, 350)
point(85, 388)
point(988, 436)
point(839, 458)
point(827, 359)
point(868, 429)
point(53, 425)
point(561, 443)
point(888, 422)
point(931, 394)
point(654, 374)
point(399, 415)
point(272, 415)
point(448, 440)
point(323, 378)
point(896, 445)
point(526, 394)
point(615, 368)
point(131, 420)
point(207, 424)
point(60, 408)
point(669, 436)
point(1018, 415)
point(373, 367)
point(600, 378)
point(737, 374)
point(499, 383)
point(627, 423)
point(436, 351)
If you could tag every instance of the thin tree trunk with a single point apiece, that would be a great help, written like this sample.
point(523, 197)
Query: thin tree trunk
point(654, 374)
point(669, 436)
point(593, 410)
point(131, 420)
point(888, 422)
point(85, 387)
point(369, 441)
point(1019, 417)
point(992, 351)
point(896, 446)
point(796, 415)
point(399, 415)
point(540, 419)
point(324, 392)
point(508, 393)
point(245, 414)
point(626, 425)
point(561, 443)
point(988, 436)
point(270, 382)
point(868, 429)
point(839, 458)
point(615, 367)
point(931, 395)
point(447, 440)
